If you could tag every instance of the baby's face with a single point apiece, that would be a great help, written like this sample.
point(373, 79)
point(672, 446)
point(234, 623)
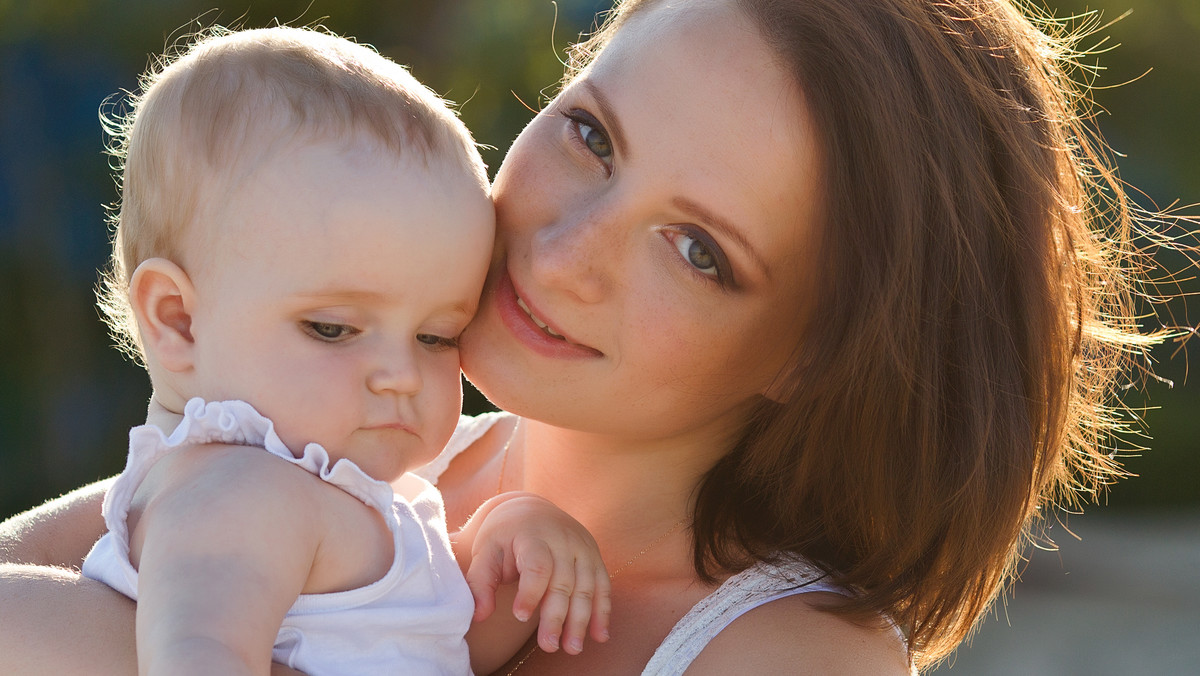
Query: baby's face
point(337, 281)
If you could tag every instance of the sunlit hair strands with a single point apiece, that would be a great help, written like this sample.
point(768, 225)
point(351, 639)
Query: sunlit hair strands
point(227, 97)
point(973, 310)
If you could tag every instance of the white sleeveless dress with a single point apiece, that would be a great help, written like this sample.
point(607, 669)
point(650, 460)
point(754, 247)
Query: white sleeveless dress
point(411, 621)
point(739, 594)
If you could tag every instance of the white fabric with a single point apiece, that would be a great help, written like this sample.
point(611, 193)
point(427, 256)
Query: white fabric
point(411, 621)
point(749, 589)
point(739, 594)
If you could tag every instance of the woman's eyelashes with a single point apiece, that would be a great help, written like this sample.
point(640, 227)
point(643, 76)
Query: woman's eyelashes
point(701, 254)
point(587, 132)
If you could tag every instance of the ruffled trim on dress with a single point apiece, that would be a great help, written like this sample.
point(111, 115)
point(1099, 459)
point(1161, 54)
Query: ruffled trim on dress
point(238, 423)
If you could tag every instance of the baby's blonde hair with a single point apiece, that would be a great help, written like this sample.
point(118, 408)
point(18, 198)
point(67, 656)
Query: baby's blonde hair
point(230, 94)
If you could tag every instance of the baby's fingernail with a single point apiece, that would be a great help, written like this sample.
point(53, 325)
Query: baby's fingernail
point(603, 634)
point(575, 645)
point(522, 615)
point(553, 640)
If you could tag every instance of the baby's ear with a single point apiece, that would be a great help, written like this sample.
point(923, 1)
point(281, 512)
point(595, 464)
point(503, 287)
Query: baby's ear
point(163, 298)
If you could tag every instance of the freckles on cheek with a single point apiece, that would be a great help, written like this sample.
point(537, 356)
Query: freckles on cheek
point(672, 349)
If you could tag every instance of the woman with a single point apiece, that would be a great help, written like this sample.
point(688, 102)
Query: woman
point(805, 311)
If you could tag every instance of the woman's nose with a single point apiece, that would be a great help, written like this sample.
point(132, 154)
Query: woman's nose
point(395, 371)
point(577, 254)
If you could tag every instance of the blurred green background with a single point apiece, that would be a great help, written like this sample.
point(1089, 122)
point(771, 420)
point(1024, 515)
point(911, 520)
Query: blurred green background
point(67, 398)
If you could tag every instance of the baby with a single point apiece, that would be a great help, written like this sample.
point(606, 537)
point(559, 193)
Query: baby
point(304, 231)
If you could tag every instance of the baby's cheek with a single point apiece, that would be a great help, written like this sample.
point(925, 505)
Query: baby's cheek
point(310, 409)
point(443, 404)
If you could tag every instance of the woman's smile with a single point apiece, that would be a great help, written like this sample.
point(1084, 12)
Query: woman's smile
point(533, 331)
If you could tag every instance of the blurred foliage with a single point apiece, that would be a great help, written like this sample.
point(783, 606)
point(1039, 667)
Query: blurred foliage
point(67, 399)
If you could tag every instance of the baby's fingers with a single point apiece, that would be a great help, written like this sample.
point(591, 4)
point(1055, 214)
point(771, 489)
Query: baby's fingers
point(535, 564)
point(484, 576)
point(601, 606)
point(584, 607)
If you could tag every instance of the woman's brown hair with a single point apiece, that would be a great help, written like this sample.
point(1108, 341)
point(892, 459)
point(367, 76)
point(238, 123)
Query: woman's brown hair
point(973, 311)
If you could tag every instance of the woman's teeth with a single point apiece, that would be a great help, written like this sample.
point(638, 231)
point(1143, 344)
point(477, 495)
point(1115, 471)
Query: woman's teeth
point(541, 324)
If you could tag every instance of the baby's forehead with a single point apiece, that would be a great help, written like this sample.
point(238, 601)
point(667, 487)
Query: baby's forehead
point(310, 187)
point(329, 218)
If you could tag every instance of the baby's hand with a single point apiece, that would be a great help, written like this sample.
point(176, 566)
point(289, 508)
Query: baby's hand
point(556, 564)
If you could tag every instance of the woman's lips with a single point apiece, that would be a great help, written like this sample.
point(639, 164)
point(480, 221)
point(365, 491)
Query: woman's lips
point(531, 330)
point(541, 324)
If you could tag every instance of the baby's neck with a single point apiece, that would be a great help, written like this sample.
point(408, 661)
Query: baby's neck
point(160, 416)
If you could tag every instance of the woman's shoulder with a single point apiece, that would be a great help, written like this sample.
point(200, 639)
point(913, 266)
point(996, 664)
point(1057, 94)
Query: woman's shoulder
point(795, 634)
point(773, 618)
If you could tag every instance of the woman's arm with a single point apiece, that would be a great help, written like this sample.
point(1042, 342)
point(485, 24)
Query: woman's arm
point(52, 621)
point(58, 533)
point(55, 622)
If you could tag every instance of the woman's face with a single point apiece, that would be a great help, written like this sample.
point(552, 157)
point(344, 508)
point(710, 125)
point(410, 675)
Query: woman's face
point(654, 231)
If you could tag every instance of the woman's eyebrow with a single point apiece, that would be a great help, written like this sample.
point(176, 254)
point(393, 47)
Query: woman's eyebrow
point(725, 227)
point(609, 116)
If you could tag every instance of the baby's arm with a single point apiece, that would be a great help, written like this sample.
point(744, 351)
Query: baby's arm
point(223, 548)
point(523, 538)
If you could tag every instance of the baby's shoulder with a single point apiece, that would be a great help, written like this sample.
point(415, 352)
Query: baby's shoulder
point(230, 483)
point(245, 488)
point(795, 634)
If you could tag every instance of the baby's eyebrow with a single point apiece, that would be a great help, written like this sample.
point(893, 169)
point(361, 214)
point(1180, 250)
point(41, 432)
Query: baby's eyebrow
point(366, 296)
point(339, 294)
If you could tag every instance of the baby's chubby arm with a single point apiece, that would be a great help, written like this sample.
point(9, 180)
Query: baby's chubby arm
point(525, 539)
point(223, 546)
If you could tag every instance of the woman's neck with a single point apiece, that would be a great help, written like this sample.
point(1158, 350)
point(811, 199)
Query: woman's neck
point(623, 491)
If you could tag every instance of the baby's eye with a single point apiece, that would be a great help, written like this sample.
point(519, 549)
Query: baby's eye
point(438, 342)
point(328, 331)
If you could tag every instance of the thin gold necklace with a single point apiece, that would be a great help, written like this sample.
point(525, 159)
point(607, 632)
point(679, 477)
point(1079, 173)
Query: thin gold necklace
point(504, 455)
point(611, 575)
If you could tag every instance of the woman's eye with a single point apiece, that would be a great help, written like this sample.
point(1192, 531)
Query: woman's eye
point(437, 342)
point(590, 133)
point(328, 331)
point(698, 254)
point(595, 140)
